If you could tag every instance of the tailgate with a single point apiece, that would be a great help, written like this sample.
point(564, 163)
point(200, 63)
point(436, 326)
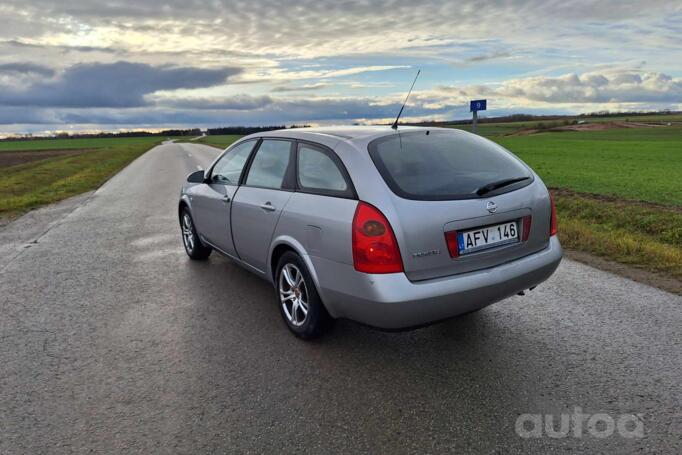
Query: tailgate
point(420, 228)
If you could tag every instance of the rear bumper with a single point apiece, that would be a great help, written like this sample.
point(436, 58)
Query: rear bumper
point(391, 301)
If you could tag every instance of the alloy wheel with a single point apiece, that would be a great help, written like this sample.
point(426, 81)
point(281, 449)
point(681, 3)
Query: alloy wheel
point(187, 232)
point(293, 294)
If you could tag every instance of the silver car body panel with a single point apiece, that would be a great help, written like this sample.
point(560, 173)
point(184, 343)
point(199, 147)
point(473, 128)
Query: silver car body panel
point(319, 228)
point(258, 211)
point(391, 301)
point(211, 210)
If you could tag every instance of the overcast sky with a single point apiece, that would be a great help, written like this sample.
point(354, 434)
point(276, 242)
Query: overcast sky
point(93, 64)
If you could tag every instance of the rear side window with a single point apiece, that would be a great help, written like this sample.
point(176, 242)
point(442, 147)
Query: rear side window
point(444, 165)
point(317, 171)
point(269, 166)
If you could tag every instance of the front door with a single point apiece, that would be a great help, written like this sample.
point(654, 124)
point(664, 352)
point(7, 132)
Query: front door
point(259, 202)
point(212, 201)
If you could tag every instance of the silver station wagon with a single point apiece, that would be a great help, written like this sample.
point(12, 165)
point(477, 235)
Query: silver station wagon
point(391, 228)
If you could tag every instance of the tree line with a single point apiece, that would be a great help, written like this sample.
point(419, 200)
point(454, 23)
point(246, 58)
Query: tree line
point(192, 132)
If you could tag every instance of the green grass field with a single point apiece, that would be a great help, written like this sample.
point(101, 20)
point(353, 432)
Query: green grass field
point(637, 164)
point(639, 222)
point(42, 181)
point(75, 144)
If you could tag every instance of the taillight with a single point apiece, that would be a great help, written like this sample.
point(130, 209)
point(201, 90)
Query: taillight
point(375, 249)
point(552, 221)
point(451, 240)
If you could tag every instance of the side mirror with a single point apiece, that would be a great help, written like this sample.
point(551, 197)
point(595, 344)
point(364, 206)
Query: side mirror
point(196, 177)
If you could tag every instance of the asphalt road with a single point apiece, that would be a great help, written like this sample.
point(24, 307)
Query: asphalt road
point(111, 340)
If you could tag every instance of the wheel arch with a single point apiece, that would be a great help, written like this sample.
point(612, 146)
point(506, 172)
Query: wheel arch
point(283, 244)
point(182, 204)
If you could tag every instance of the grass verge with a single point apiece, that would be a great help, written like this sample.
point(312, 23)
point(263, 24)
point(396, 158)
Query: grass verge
point(646, 236)
point(29, 185)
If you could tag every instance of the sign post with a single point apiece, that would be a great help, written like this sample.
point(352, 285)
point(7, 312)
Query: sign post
point(474, 107)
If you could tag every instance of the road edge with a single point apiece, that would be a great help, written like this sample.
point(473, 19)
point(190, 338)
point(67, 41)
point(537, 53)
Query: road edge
point(21, 232)
point(656, 280)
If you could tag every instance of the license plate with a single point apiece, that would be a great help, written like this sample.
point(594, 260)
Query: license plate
point(487, 237)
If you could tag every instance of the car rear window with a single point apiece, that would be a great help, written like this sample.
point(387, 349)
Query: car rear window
point(443, 165)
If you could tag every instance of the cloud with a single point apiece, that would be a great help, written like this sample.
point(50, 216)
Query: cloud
point(312, 28)
point(174, 61)
point(268, 109)
point(301, 88)
point(486, 57)
point(361, 69)
point(24, 116)
point(277, 74)
point(24, 45)
point(232, 103)
point(608, 90)
point(242, 110)
point(25, 68)
point(586, 92)
point(119, 84)
point(619, 87)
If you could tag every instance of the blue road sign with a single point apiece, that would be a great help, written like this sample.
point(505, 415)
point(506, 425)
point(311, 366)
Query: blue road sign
point(477, 105)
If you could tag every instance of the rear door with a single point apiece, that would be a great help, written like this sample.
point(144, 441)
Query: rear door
point(211, 202)
point(258, 204)
point(438, 181)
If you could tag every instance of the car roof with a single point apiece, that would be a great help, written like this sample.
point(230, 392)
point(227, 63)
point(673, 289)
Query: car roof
point(347, 133)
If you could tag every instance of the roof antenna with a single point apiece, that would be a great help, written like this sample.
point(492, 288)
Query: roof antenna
point(395, 124)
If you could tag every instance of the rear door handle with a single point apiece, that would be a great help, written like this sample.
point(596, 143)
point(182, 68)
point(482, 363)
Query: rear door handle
point(267, 207)
point(226, 199)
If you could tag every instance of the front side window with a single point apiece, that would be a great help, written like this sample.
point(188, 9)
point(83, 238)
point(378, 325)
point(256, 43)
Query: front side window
point(443, 165)
point(317, 171)
point(269, 166)
point(229, 168)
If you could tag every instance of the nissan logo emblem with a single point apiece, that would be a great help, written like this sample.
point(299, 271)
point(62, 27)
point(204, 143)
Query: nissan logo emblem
point(491, 207)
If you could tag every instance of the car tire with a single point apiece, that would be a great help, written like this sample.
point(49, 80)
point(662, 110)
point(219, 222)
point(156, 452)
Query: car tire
point(194, 248)
point(299, 302)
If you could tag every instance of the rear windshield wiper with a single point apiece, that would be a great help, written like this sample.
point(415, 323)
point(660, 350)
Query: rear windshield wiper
point(499, 184)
